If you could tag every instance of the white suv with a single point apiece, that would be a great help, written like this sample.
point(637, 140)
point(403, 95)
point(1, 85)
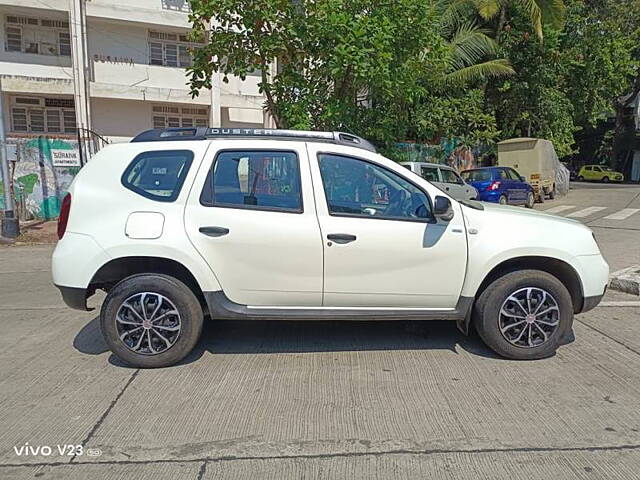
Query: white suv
point(254, 224)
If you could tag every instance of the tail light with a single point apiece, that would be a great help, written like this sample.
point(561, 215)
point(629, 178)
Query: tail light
point(494, 186)
point(64, 215)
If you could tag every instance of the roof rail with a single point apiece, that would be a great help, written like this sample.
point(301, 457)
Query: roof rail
point(202, 133)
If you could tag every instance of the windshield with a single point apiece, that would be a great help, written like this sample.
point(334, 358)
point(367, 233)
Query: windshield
point(476, 175)
point(607, 169)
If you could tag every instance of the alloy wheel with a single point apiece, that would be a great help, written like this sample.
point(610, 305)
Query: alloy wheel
point(148, 323)
point(529, 317)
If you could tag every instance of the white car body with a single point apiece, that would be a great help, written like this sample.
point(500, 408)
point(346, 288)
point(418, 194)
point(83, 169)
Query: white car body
point(280, 264)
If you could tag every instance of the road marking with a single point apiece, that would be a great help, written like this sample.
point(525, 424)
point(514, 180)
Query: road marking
point(560, 208)
point(585, 212)
point(622, 214)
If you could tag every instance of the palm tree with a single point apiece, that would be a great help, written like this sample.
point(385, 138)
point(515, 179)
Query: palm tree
point(468, 47)
point(540, 11)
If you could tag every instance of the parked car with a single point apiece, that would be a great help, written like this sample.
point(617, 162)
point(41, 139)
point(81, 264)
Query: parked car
point(500, 185)
point(599, 173)
point(445, 178)
point(260, 224)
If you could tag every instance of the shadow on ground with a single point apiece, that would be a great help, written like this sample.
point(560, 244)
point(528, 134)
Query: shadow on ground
point(249, 337)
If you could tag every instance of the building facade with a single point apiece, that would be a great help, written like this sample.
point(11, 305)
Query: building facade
point(115, 67)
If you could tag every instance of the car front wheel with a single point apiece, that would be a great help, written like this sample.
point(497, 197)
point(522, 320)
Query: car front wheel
point(151, 320)
point(605, 179)
point(524, 315)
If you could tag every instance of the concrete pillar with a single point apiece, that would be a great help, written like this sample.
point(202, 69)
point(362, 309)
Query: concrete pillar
point(80, 61)
point(215, 110)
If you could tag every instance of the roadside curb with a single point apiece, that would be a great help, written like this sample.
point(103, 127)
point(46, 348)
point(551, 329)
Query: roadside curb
point(626, 280)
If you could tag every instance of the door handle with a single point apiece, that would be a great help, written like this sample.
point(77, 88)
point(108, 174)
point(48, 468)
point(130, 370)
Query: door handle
point(214, 231)
point(341, 237)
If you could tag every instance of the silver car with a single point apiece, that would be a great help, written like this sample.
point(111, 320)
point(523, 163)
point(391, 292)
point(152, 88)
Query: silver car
point(443, 177)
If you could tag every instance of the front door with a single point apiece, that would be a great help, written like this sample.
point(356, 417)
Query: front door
point(382, 245)
point(251, 215)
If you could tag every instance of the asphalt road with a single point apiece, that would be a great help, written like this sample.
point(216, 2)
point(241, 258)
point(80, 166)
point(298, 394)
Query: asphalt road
point(322, 399)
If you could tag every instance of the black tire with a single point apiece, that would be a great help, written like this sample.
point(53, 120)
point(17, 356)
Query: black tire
point(605, 179)
point(580, 178)
point(175, 292)
point(503, 200)
point(530, 200)
point(552, 193)
point(486, 314)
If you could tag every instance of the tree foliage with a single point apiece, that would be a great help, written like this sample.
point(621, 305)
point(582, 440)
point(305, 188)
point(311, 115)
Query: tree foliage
point(476, 70)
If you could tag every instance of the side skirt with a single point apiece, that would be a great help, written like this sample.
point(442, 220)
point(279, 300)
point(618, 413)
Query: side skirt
point(221, 308)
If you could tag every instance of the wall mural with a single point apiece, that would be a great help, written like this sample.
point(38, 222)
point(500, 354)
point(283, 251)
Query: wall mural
point(39, 181)
point(449, 152)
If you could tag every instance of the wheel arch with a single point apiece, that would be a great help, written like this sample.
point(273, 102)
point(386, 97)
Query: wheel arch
point(120, 268)
point(560, 269)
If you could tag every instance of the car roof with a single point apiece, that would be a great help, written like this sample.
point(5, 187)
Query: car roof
point(204, 133)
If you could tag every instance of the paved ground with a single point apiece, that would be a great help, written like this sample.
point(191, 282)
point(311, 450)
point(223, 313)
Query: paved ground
point(322, 400)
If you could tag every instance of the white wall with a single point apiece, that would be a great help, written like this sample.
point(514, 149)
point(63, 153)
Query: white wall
point(120, 118)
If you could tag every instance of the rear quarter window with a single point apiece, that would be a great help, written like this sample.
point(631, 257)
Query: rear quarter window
point(158, 175)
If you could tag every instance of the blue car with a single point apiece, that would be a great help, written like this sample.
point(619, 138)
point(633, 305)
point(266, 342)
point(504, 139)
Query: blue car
point(500, 185)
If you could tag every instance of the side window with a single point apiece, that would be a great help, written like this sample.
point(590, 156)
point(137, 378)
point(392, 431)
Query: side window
point(158, 175)
point(449, 176)
point(429, 173)
point(502, 174)
point(597, 169)
point(588, 168)
point(513, 175)
point(261, 180)
point(358, 188)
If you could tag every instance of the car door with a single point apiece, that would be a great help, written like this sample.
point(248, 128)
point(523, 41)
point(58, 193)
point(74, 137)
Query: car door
point(382, 245)
point(597, 173)
point(519, 187)
point(454, 185)
point(251, 216)
point(506, 185)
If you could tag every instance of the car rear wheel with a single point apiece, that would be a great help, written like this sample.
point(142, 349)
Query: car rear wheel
point(580, 178)
point(531, 200)
point(502, 200)
point(524, 315)
point(151, 320)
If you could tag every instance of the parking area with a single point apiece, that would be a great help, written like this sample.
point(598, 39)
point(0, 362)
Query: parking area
point(323, 399)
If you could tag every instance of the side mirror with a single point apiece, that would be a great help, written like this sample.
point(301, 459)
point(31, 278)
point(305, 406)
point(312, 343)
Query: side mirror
point(523, 179)
point(442, 208)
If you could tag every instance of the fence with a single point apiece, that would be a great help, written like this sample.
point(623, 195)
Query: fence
point(41, 170)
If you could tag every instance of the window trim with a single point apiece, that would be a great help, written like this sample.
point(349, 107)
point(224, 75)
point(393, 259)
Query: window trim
point(432, 218)
point(209, 178)
point(179, 184)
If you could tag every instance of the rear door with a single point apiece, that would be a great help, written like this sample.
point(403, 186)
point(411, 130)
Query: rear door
point(453, 184)
point(251, 215)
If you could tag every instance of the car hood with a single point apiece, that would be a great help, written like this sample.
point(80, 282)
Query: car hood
point(519, 213)
point(525, 231)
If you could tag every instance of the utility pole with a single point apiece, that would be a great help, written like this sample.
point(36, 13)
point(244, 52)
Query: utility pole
point(10, 223)
point(80, 63)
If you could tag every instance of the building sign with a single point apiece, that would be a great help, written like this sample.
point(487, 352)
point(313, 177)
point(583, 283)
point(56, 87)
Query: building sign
point(65, 158)
point(112, 59)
